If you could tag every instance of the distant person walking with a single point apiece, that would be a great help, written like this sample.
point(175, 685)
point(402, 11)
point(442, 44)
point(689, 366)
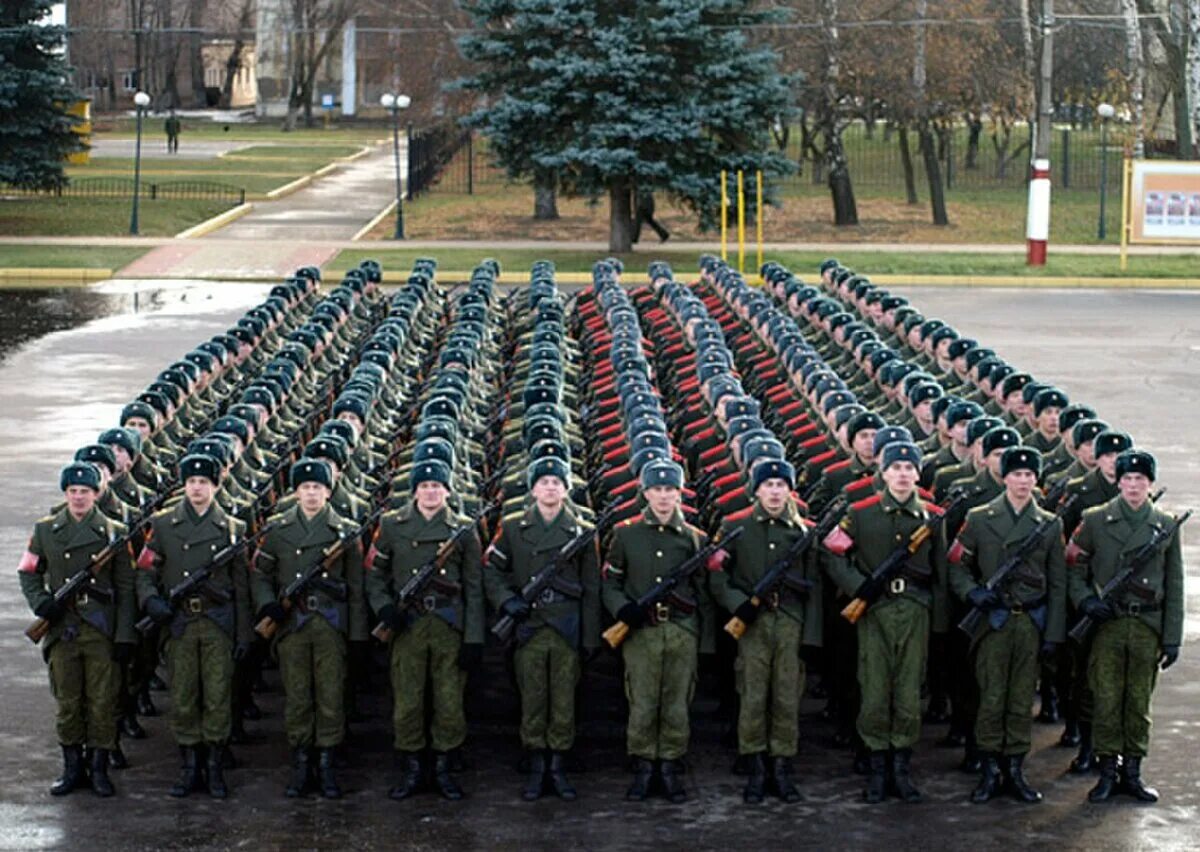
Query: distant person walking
point(644, 205)
point(172, 126)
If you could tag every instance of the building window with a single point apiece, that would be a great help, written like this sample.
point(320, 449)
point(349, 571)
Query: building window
point(129, 80)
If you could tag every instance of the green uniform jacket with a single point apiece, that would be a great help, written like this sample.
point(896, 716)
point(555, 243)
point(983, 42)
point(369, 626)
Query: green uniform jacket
point(58, 549)
point(403, 544)
point(871, 530)
point(987, 538)
point(1103, 537)
point(764, 540)
point(176, 547)
point(525, 545)
point(979, 489)
point(641, 553)
point(289, 550)
point(1092, 490)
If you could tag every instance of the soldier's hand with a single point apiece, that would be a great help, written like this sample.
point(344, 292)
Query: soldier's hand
point(632, 615)
point(391, 616)
point(1170, 653)
point(516, 607)
point(1096, 609)
point(48, 609)
point(470, 656)
point(983, 597)
point(158, 609)
point(240, 650)
point(122, 652)
point(746, 612)
point(274, 611)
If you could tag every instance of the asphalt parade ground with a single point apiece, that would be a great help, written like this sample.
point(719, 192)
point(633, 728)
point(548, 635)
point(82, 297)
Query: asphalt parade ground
point(1134, 355)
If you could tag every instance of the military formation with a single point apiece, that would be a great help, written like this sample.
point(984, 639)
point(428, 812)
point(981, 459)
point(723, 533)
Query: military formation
point(761, 482)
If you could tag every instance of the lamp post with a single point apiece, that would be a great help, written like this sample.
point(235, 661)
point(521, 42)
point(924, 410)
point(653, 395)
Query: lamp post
point(393, 104)
point(141, 100)
point(1105, 111)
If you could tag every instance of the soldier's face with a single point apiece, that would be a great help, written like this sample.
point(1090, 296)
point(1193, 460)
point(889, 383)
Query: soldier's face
point(959, 432)
point(773, 494)
point(864, 442)
point(124, 460)
point(901, 478)
point(199, 490)
point(1048, 421)
point(1020, 483)
point(312, 496)
point(549, 492)
point(1135, 488)
point(80, 499)
point(431, 495)
point(1086, 454)
point(662, 499)
point(993, 461)
point(141, 424)
point(1108, 465)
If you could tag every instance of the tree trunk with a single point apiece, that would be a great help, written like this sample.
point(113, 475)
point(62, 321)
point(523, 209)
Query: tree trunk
point(975, 129)
point(545, 194)
point(1135, 75)
point(1193, 67)
point(845, 210)
point(196, 13)
point(234, 63)
point(620, 216)
point(933, 171)
point(910, 180)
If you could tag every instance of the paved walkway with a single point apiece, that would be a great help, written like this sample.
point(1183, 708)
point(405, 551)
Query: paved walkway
point(154, 147)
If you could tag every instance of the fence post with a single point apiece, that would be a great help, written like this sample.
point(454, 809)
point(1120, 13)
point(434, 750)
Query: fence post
point(471, 163)
point(153, 191)
point(950, 159)
point(412, 161)
point(1066, 158)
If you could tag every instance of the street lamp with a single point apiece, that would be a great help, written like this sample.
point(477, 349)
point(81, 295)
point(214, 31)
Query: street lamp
point(1105, 111)
point(141, 100)
point(393, 104)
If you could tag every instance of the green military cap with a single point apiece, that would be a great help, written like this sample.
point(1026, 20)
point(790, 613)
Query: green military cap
point(200, 464)
point(1072, 414)
point(312, 470)
point(232, 426)
point(962, 411)
point(1111, 442)
point(773, 469)
point(961, 346)
point(890, 435)
point(900, 451)
point(434, 448)
point(141, 409)
point(861, 421)
point(212, 445)
point(1086, 430)
point(1013, 382)
point(999, 438)
point(1049, 398)
point(79, 473)
point(97, 454)
point(328, 447)
point(130, 440)
point(548, 466)
point(430, 470)
point(352, 403)
point(923, 392)
point(1136, 461)
point(1020, 458)
point(662, 472)
point(980, 426)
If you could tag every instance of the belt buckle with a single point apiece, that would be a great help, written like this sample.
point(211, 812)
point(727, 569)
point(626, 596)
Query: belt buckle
point(81, 599)
point(313, 602)
point(429, 602)
point(547, 596)
point(898, 585)
point(662, 612)
point(1017, 609)
point(772, 601)
point(195, 606)
point(1134, 608)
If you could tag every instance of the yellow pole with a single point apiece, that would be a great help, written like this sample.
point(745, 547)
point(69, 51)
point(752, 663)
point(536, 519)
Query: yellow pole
point(1126, 223)
point(724, 217)
point(758, 217)
point(741, 222)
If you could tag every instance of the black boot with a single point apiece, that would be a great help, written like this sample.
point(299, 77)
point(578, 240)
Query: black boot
point(101, 786)
point(216, 771)
point(442, 778)
point(862, 761)
point(535, 781)
point(902, 777)
point(643, 773)
point(1049, 712)
point(972, 760)
point(116, 757)
point(1085, 760)
point(1131, 781)
point(250, 709)
point(989, 781)
point(157, 684)
point(145, 706)
point(326, 775)
point(939, 710)
point(670, 772)
point(876, 787)
point(785, 784)
point(1018, 784)
point(409, 780)
point(131, 728)
point(558, 778)
point(1071, 736)
point(756, 780)
point(189, 774)
point(1106, 787)
point(298, 782)
point(72, 774)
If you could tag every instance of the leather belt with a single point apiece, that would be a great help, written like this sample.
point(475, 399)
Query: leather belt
point(1135, 608)
point(1026, 606)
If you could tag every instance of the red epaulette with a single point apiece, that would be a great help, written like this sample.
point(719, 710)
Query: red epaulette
point(935, 509)
point(927, 496)
point(821, 458)
point(628, 522)
point(869, 501)
point(858, 484)
point(844, 463)
point(739, 515)
point(812, 442)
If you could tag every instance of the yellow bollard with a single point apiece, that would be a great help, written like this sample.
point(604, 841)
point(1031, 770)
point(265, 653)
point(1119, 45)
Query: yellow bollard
point(741, 222)
point(758, 217)
point(724, 217)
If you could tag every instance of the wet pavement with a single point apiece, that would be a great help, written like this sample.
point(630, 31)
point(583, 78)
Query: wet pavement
point(1134, 355)
point(154, 146)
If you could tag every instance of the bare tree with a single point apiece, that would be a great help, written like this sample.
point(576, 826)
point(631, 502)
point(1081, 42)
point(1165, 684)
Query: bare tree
point(197, 12)
point(1193, 64)
point(831, 120)
point(233, 63)
point(316, 27)
point(1135, 71)
point(933, 170)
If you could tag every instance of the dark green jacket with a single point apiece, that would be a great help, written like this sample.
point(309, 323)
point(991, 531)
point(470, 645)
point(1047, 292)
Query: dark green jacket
point(1090, 490)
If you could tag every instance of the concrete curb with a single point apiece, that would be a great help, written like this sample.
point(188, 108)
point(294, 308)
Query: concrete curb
point(218, 221)
point(370, 226)
point(16, 275)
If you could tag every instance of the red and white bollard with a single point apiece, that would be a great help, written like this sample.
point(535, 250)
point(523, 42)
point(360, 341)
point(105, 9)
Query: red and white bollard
point(1037, 223)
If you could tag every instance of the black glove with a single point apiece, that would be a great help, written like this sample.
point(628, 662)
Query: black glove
point(240, 650)
point(158, 609)
point(1049, 649)
point(869, 589)
point(1096, 609)
point(390, 616)
point(983, 597)
point(122, 652)
point(470, 656)
point(746, 612)
point(274, 611)
point(632, 614)
point(1170, 653)
point(516, 607)
point(48, 609)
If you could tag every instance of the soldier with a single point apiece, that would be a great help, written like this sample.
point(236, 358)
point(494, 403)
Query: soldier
point(440, 638)
point(1025, 614)
point(312, 632)
point(770, 674)
point(1139, 628)
point(90, 637)
point(554, 630)
point(893, 635)
point(660, 655)
point(209, 631)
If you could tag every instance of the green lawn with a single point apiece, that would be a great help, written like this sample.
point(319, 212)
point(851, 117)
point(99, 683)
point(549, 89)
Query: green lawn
point(270, 131)
point(58, 257)
point(103, 217)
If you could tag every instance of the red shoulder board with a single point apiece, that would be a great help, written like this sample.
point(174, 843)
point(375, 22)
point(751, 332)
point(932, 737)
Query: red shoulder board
point(925, 495)
point(858, 484)
point(844, 463)
point(630, 522)
point(812, 442)
point(935, 509)
point(740, 514)
point(870, 501)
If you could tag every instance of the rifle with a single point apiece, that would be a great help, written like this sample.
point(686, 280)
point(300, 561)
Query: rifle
point(549, 576)
point(899, 557)
point(667, 589)
point(266, 627)
point(780, 573)
point(429, 574)
point(1050, 499)
point(197, 581)
point(972, 622)
point(1130, 566)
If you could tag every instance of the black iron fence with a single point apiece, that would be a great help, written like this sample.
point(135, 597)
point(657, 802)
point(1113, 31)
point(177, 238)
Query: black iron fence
point(430, 151)
point(122, 187)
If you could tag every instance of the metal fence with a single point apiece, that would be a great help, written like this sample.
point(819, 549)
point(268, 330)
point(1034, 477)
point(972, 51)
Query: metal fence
point(122, 187)
point(430, 151)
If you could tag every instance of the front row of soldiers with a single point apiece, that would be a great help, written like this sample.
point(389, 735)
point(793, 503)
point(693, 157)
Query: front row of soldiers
point(1139, 623)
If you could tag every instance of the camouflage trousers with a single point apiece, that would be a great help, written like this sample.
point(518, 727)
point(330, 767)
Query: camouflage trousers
point(312, 664)
point(547, 674)
point(1122, 672)
point(1006, 668)
point(85, 682)
point(660, 679)
point(770, 680)
point(893, 642)
point(200, 670)
point(427, 653)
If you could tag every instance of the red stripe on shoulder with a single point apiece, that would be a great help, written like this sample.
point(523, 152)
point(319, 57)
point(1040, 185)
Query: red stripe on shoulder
point(844, 463)
point(869, 501)
point(935, 509)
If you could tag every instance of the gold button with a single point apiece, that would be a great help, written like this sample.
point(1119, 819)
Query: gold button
point(298, 553)
point(66, 556)
point(658, 579)
point(185, 545)
point(214, 547)
point(771, 546)
point(413, 570)
point(187, 574)
point(662, 529)
point(658, 553)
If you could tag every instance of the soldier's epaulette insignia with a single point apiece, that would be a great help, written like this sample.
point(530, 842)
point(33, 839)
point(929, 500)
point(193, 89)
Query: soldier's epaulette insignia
point(935, 509)
point(844, 463)
point(46, 519)
point(629, 522)
point(858, 485)
point(866, 502)
point(739, 515)
point(693, 528)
